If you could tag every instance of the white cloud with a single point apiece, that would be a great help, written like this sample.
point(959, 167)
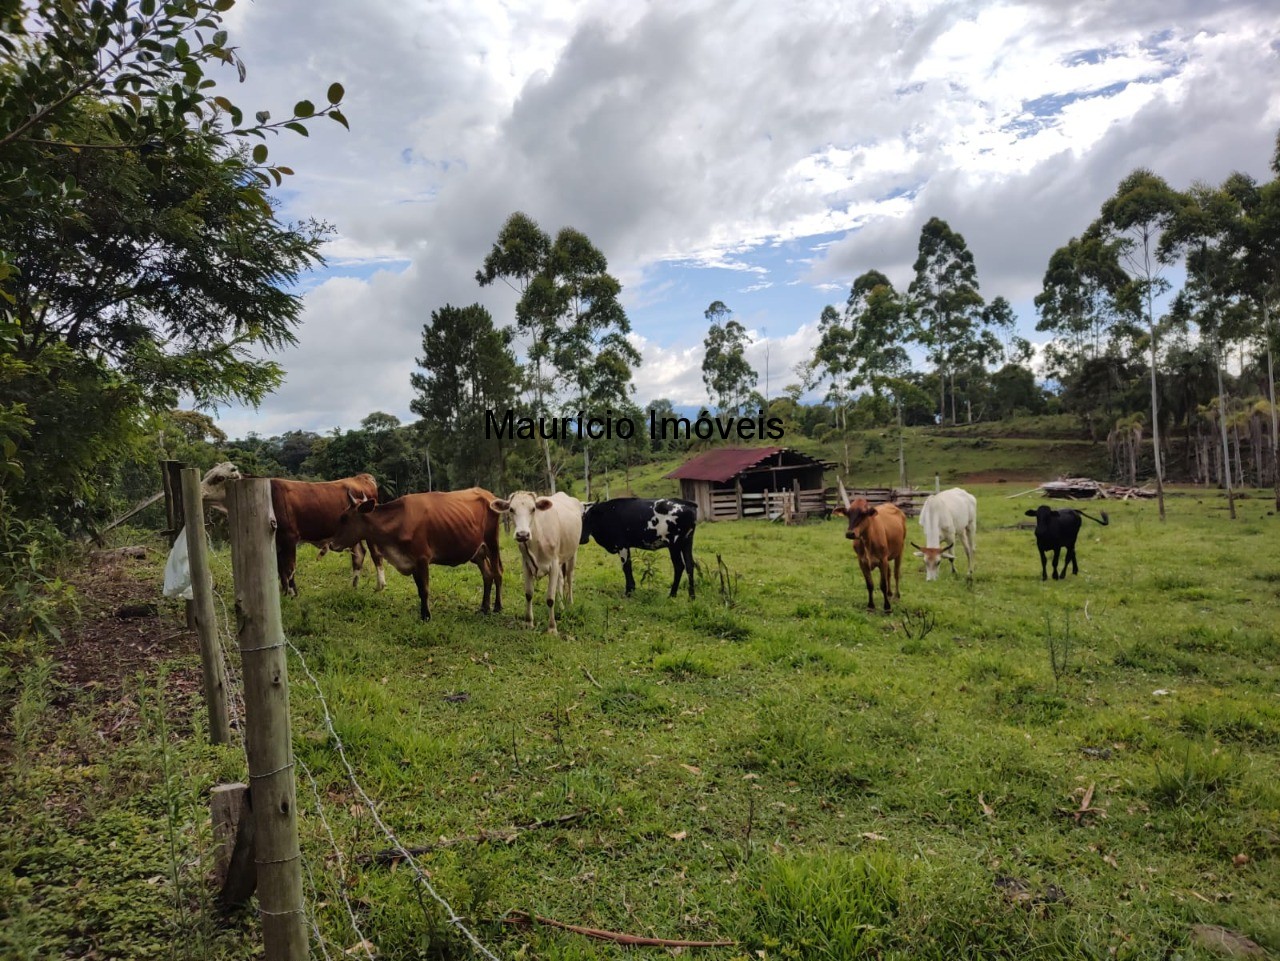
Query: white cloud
point(702, 134)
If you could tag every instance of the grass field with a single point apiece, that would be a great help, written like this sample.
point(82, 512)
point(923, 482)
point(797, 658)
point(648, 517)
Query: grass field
point(770, 765)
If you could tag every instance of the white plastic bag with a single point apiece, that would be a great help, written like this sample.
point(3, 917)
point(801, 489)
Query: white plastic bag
point(177, 570)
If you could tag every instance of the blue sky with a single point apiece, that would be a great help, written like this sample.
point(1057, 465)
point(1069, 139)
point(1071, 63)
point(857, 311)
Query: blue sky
point(759, 154)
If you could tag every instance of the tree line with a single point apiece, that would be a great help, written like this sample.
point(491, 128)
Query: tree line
point(144, 263)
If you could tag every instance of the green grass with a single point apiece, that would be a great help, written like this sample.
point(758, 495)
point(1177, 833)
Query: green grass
point(791, 773)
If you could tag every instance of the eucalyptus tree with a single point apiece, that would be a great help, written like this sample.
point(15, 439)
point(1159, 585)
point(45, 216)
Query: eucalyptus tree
point(875, 316)
point(728, 377)
point(1203, 231)
point(1130, 225)
point(591, 353)
point(1258, 243)
point(945, 305)
point(833, 363)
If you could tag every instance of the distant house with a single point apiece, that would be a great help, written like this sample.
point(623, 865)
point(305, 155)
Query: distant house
point(730, 483)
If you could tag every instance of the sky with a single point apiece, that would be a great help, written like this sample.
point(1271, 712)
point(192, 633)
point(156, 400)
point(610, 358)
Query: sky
point(762, 154)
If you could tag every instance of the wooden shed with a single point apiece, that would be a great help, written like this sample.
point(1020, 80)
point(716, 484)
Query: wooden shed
point(730, 483)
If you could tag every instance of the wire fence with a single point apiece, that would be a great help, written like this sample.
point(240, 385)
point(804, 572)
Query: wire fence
point(315, 868)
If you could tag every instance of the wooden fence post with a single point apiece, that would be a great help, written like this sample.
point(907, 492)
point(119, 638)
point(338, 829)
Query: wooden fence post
point(268, 737)
point(737, 490)
point(215, 679)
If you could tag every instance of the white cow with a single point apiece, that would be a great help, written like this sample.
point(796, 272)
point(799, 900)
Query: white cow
point(951, 515)
point(547, 530)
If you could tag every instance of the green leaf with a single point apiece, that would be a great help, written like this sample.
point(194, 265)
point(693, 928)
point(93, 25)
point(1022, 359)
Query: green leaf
point(147, 7)
point(337, 115)
point(304, 108)
point(222, 6)
point(220, 38)
point(276, 175)
point(287, 171)
point(335, 93)
point(298, 128)
point(259, 153)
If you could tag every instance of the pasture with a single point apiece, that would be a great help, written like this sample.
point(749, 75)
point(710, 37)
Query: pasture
point(768, 764)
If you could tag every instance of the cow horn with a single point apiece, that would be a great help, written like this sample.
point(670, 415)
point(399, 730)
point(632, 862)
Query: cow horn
point(916, 546)
point(948, 545)
point(844, 495)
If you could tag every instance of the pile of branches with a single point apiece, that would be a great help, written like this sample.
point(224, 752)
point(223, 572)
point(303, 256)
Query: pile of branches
point(1085, 488)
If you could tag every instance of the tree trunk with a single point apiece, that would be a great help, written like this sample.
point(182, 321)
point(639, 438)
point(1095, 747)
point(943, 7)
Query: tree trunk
point(902, 456)
point(1271, 388)
point(1155, 410)
point(1222, 430)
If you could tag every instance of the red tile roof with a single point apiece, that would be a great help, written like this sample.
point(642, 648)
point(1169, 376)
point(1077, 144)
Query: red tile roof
point(722, 463)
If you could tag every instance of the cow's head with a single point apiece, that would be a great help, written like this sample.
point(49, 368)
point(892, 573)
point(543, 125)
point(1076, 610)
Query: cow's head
point(857, 513)
point(522, 506)
point(213, 488)
point(933, 558)
point(586, 523)
point(1044, 515)
point(352, 522)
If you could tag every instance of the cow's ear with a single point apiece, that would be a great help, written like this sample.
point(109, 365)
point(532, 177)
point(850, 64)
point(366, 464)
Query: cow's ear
point(840, 511)
point(366, 505)
point(918, 553)
point(499, 506)
point(1031, 513)
point(544, 503)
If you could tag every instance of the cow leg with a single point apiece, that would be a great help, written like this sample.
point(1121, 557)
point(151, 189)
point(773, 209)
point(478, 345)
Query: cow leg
point(968, 550)
point(1044, 569)
point(375, 555)
point(885, 584)
point(568, 580)
point(422, 577)
point(677, 566)
point(625, 554)
point(553, 587)
point(530, 582)
point(286, 564)
point(897, 577)
point(357, 563)
point(1056, 552)
point(1071, 557)
point(687, 550)
point(871, 591)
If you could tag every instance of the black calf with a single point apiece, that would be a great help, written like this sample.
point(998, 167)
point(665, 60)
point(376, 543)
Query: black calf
point(1056, 530)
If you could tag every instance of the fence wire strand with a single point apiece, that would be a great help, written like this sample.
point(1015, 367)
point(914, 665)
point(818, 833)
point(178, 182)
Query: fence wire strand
point(405, 855)
point(342, 866)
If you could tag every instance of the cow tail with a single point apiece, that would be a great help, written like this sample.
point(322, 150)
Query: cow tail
point(1105, 519)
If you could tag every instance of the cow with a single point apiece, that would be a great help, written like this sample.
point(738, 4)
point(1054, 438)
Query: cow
point(417, 530)
point(624, 524)
point(1058, 529)
point(305, 511)
point(878, 534)
point(547, 530)
point(951, 515)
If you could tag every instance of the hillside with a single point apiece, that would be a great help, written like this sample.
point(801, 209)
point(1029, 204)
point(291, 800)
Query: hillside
point(1028, 449)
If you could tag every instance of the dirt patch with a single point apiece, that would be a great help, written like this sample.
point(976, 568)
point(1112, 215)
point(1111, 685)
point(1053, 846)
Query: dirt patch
point(103, 653)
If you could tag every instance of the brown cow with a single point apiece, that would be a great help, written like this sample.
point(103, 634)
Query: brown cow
point(418, 530)
point(305, 512)
point(878, 534)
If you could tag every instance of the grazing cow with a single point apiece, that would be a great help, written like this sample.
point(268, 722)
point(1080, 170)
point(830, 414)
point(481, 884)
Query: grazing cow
point(547, 530)
point(951, 515)
point(305, 512)
point(418, 530)
point(624, 524)
point(878, 535)
point(1058, 529)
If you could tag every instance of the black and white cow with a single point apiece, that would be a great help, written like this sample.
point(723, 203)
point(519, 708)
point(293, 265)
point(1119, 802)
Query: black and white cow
point(625, 524)
point(1058, 530)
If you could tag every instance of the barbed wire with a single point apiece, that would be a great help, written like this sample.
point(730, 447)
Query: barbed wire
point(311, 915)
point(342, 868)
point(405, 855)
